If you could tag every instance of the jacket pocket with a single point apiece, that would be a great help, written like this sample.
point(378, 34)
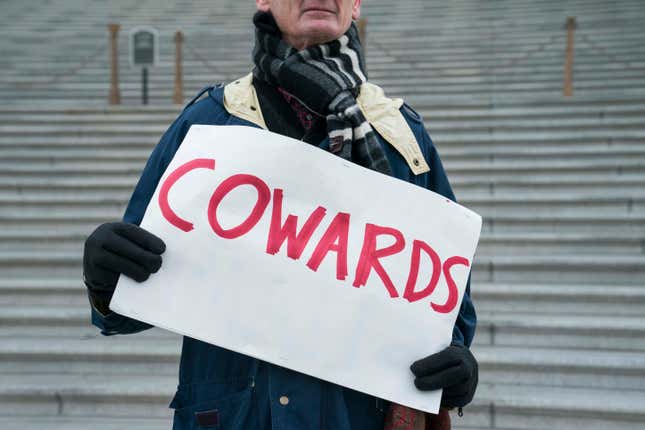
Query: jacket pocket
point(211, 405)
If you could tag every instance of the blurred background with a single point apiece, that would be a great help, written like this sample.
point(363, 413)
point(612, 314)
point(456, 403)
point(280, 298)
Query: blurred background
point(540, 122)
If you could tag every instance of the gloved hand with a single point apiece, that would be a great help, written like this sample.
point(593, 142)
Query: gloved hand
point(454, 369)
point(115, 248)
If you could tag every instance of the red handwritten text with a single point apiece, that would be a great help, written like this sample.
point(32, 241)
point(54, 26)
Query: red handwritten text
point(335, 238)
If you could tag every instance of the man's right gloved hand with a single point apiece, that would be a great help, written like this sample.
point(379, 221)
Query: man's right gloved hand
point(115, 248)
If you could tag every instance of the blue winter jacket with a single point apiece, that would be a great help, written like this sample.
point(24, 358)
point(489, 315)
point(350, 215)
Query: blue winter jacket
point(221, 389)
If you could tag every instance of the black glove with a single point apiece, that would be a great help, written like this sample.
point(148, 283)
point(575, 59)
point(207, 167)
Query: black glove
point(115, 248)
point(454, 369)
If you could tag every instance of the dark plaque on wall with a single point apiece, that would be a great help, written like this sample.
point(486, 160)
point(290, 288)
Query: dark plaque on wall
point(144, 47)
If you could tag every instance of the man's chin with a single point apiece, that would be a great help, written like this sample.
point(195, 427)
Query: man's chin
point(322, 30)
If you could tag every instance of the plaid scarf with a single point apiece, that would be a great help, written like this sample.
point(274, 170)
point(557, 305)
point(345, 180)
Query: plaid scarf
point(326, 79)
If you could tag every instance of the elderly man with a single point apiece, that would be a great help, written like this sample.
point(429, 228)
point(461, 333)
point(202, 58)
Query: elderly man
point(309, 82)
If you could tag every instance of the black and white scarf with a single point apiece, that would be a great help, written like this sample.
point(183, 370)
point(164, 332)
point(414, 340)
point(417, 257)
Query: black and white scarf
point(326, 79)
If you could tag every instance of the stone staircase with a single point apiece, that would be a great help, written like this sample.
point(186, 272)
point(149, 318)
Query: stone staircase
point(559, 277)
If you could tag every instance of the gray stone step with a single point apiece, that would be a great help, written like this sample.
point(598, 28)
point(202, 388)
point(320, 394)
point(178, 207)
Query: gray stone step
point(134, 355)
point(546, 298)
point(596, 332)
point(108, 133)
point(142, 355)
point(622, 202)
point(542, 408)
point(439, 94)
point(92, 149)
point(548, 223)
point(596, 243)
point(450, 153)
point(576, 108)
point(86, 395)
point(505, 406)
point(561, 368)
point(555, 185)
point(501, 223)
point(114, 187)
point(563, 183)
point(73, 191)
point(21, 162)
point(566, 205)
point(558, 299)
point(496, 405)
point(381, 72)
point(132, 92)
point(622, 269)
point(83, 422)
point(536, 330)
point(56, 321)
point(626, 269)
point(48, 292)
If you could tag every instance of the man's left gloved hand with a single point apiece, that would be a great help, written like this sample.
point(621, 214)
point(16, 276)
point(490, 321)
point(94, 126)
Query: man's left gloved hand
point(454, 369)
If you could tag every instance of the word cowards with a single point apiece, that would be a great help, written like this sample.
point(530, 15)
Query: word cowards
point(334, 239)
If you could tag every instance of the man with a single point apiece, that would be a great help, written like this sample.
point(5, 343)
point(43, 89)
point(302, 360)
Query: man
point(309, 82)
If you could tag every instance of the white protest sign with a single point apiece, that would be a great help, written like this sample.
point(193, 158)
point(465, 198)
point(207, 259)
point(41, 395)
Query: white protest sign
point(287, 253)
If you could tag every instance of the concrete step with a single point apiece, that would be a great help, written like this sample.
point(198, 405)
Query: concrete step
point(498, 406)
point(622, 269)
point(564, 223)
point(542, 408)
point(507, 71)
point(500, 223)
point(623, 193)
point(570, 205)
point(47, 292)
point(86, 395)
point(436, 122)
point(456, 169)
point(57, 321)
point(618, 104)
point(575, 109)
point(113, 188)
point(627, 269)
point(554, 185)
point(519, 329)
point(43, 240)
point(83, 422)
point(512, 83)
point(558, 299)
point(595, 243)
point(544, 298)
point(595, 332)
point(133, 355)
point(592, 183)
point(541, 367)
point(72, 239)
point(19, 137)
point(80, 158)
point(438, 93)
point(622, 202)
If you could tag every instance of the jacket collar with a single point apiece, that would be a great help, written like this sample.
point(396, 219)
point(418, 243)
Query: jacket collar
point(241, 100)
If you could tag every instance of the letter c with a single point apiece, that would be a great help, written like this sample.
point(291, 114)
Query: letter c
point(166, 210)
